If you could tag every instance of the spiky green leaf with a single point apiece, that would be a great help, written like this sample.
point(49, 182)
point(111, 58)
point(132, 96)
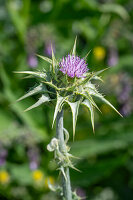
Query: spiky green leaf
point(97, 78)
point(53, 60)
point(45, 58)
point(90, 88)
point(74, 47)
point(89, 105)
point(87, 55)
point(74, 108)
point(35, 90)
point(63, 173)
point(89, 97)
point(51, 85)
point(96, 94)
point(86, 94)
point(59, 104)
point(95, 74)
point(93, 91)
point(34, 74)
point(44, 98)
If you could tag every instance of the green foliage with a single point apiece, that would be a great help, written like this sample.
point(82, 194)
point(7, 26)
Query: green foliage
point(27, 27)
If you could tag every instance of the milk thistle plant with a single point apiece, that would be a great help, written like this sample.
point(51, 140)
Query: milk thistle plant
point(68, 81)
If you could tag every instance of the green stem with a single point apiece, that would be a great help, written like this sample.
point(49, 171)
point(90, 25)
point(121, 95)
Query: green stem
point(67, 193)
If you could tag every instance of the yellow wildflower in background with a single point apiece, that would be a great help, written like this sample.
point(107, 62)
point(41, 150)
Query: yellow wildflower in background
point(99, 53)
point(37, 175)
point(4, 177)
point(48, 180)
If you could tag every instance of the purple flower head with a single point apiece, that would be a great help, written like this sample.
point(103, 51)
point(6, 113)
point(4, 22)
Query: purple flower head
point(34, 157)
point(126, 109)
point(81, 193)
point(33, 165)
point(32, 61)
point(113, 57)
point(3, 156)
point(73, 66)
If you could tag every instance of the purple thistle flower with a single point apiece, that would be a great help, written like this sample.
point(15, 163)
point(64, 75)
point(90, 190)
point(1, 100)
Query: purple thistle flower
point(81, 193)
point(34, 157)
point(32, 61)
point(3, 156)
point(73, 66)
point(113, 57)
point(126, 109)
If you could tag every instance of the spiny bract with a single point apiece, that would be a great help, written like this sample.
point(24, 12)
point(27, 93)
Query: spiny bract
point(66, 85)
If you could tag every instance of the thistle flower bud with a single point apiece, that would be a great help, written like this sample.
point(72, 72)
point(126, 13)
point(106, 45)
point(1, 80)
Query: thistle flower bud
point(74, 87)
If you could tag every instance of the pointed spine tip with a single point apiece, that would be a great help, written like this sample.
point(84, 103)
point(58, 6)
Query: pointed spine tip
point(52, 125)
point(121, 115)
point(73, 135)
point(26, 110)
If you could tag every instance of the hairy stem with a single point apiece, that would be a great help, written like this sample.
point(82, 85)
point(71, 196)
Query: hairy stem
point(67, 194)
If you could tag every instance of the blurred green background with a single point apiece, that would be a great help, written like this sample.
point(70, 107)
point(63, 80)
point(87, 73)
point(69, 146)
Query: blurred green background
point(28, 27)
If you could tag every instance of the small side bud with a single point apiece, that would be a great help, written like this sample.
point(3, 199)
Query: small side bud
point(53, 145)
